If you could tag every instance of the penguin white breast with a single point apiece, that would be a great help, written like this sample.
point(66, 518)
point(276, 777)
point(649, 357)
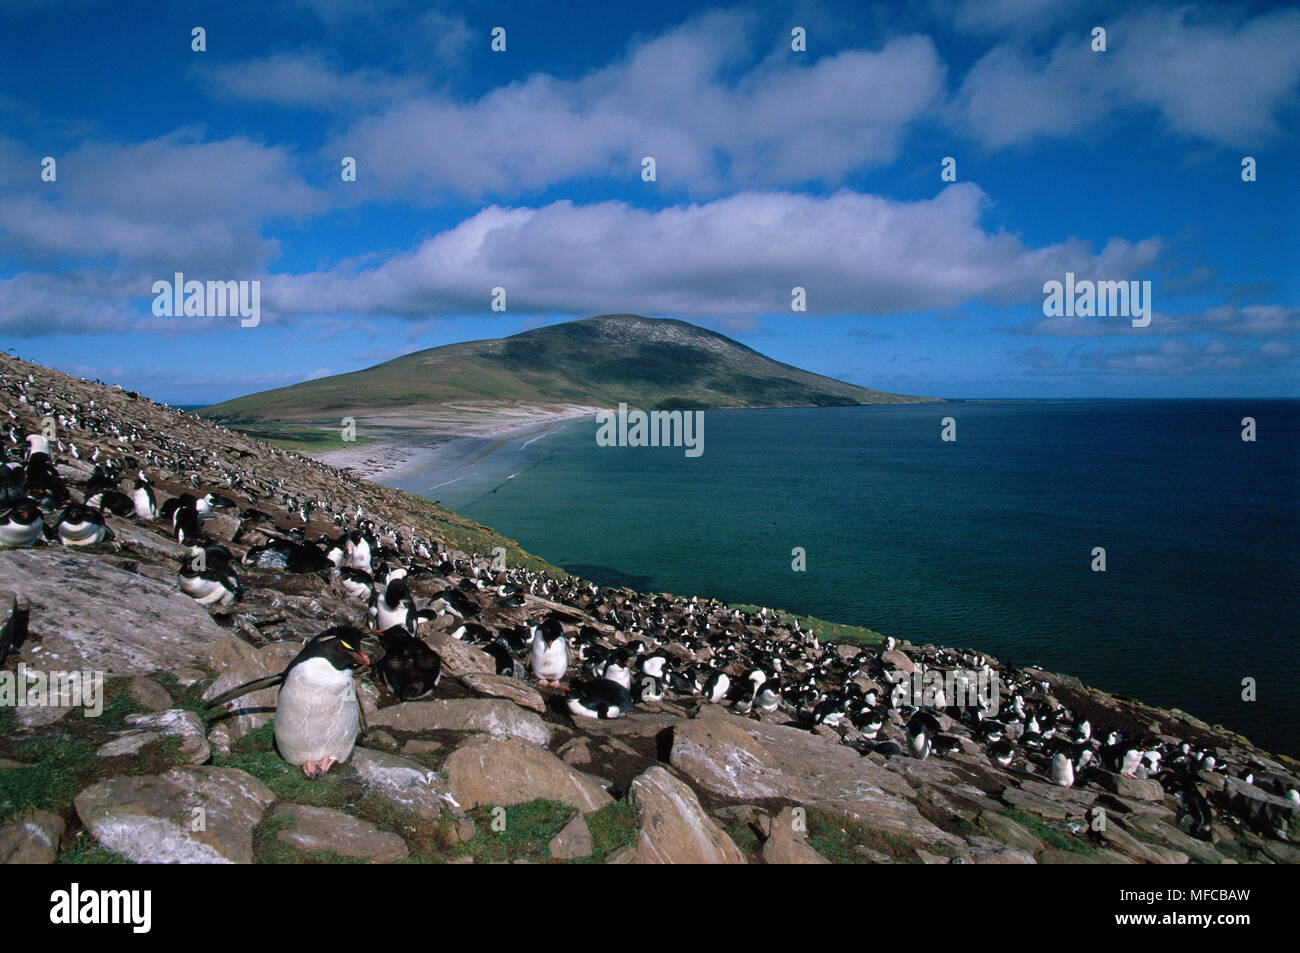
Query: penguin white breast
point(80, 534)
point(316, 713)
point(19, 534)
point(549, 661)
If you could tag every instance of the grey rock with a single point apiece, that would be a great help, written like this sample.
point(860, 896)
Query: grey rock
point(673, 826)
point(150, 694)
point(511, 689)
point(150, 627)
point(320, 828)
point(403, 783)
point(573, 841)
point(487, 771)
point(32, 838)
point(185, 815)
point(495, 716)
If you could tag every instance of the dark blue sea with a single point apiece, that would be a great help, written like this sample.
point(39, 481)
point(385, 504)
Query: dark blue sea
point(985, 542)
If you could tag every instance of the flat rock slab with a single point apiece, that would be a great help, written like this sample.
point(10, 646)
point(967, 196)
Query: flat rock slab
point(502, 686)
point(1055, 792)
point(495, 716)
point(92, 616)
point(1137, 789)
point(1177, 839)
point(1042, 806)
point(460, 658)
point(492, 772)
point(320, 828)
point(405, 784)
point(722, 757)
point(152, 819)
point(674, 828)
point(820, 771)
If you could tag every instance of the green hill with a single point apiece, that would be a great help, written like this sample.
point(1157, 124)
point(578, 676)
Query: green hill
point(601, 361)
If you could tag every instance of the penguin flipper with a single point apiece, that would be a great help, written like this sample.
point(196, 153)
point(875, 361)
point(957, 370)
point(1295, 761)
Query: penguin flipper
point(255, 685)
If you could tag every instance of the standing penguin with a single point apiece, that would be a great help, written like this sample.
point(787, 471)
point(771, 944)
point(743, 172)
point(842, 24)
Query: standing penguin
point(1062, 771)
point(408, 667)
point(550, 652)
point(392, 605)
point(921, 733)
point(143, 499)
point(317, 717)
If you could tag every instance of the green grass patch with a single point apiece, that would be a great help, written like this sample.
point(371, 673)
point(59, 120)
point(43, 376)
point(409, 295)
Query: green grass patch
point(1047, 834)
point(744, 837)
point(87, 851)
point(527, 831)
point(302, 438)
point(255, 753)
point(60, 758)
point(835, 837)
point(612, 827)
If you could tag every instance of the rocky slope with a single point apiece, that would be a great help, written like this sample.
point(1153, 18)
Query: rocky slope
point(491, 767)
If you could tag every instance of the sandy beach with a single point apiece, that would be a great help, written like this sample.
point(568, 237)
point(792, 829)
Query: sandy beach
point(417, 439)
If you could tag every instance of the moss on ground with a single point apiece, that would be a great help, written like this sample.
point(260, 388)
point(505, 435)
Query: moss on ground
point(613, 827)
point(835, 837)
point(1049, 835)
point(60, 760)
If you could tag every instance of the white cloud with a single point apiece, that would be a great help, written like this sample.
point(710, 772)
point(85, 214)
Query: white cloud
point(730, 258)
point(171, 203)
point(689, 98)
point(305, 81)
point(1210, 78)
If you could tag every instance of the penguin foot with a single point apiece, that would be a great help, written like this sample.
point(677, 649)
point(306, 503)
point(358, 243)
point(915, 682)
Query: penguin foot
point(317, 769)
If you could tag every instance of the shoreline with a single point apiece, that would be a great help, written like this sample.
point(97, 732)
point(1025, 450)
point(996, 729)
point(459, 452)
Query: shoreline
point(406, 450)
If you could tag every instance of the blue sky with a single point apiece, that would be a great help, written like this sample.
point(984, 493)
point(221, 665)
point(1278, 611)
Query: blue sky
point(775, 168)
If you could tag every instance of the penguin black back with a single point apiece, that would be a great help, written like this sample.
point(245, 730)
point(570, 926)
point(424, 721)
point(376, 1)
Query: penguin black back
point(408, 667)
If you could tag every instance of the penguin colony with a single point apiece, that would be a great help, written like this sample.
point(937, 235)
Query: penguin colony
point(600, 652)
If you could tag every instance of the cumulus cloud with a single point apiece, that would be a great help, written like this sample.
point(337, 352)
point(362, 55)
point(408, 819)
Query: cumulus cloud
point(727, 260)
point(172, 203)
point(1208, 78)
point(691, 98)
point(732, 257)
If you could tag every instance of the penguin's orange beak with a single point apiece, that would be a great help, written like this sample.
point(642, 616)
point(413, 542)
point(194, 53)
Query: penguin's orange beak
point(360, 658)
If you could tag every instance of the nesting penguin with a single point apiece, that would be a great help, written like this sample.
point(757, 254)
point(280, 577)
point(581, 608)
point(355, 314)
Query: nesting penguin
point(208, 576)
point(317, 717)
point(599, 698)
point(21, 524)
point(79, 525)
